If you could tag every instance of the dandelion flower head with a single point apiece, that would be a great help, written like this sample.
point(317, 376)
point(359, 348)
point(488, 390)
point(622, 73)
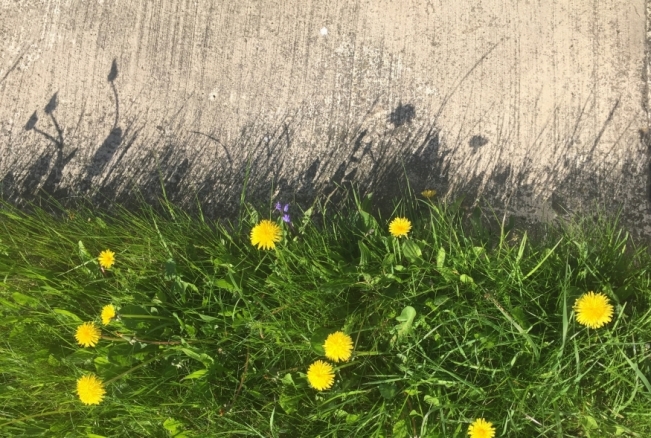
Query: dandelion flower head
point(399, 227)
point(338, 346)
point(429, 193)
point(106, 258)
point(87, 334)
point(90, 390)
point(108, 313)
point(265, 235)
point(593, 310)
point(481, 428)
point(320, 375)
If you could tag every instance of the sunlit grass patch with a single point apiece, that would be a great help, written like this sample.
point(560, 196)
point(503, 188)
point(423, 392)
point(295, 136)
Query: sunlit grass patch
point(332, 322)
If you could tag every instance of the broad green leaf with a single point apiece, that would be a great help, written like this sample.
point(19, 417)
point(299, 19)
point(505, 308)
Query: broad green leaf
point(206, 360)
point(351, 418)
point(411, 250)
point(440, 258)
point(364, 253)
point(134, 317)
point(68, 315)
point(289, 403)
point(307, 217)
point(83, 253)
point(106, 369)
point(318, 339)
point(225, 284)
point(173, 426)
point(25, 300)
point(388, 261)
point(208, 318)
point(388, 390)
point(288, 380)
point(523, 244)
point(588, 422)
point(170, 268)
point(400, 429)
point(466, 279)
point(432, 401)
point(369, 221)
point(406, 319)
point(196, 375)
point(101, 223)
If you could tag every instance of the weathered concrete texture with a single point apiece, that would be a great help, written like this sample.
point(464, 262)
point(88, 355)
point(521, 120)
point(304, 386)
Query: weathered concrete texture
point(532, 105)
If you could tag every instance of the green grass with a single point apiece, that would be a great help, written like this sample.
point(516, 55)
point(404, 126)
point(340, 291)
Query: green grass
point(464, 319)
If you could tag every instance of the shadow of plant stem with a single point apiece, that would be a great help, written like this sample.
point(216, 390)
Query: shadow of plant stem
point(54, 176)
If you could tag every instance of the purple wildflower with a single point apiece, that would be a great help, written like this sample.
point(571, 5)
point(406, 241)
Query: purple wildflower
point(284, 209)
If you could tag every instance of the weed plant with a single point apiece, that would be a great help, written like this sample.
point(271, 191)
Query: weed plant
point(463, 318)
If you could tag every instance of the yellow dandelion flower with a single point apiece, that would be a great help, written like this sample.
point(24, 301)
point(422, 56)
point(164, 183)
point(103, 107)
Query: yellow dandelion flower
point(106, 258)
point(320, 375)
point(108, 313)
point(88, 334)
point(481, 428)
point(90, 389)
point(399, 227)
point(429, 193)
point(338, 346)
point(593, 310)
point(265, 235)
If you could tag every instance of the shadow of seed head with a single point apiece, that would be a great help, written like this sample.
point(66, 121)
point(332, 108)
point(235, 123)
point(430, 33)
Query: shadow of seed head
point(52, 104)
point(113, 74)
point(402, 114)
point(31, 123)
point(477, 141)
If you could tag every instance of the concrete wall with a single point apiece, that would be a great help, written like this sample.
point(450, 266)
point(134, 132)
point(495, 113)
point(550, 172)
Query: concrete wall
point(533, 106)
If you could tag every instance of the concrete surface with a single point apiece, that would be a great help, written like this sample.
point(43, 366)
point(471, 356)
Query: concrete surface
point(533, 106)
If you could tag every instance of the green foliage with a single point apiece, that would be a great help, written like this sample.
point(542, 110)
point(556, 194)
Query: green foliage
point(462, 319)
